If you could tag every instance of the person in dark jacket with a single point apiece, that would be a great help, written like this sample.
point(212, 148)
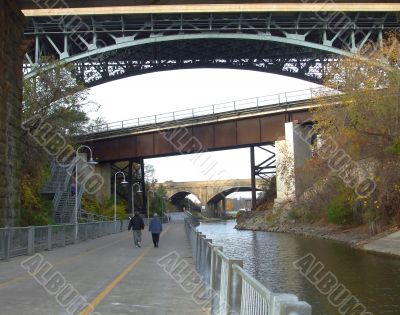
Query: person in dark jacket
point(155, 227)
point(137, 225)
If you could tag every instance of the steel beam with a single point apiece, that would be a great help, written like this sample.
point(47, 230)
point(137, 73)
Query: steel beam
point(109, 47)
point(253, 180)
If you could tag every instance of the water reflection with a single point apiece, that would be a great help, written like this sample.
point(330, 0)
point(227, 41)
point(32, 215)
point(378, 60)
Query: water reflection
point(373, 279)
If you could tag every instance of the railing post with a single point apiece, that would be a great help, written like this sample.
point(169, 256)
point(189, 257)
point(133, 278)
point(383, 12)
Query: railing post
point(198, 249)
point(236, 293)
point(86, 232)
point(234, 105)
point(287, 304)
point(31, 240)
point(49, 237)
point(7, 243)
point(214, 266)
point(76, 235)
point(63, 236)
point(229, 281)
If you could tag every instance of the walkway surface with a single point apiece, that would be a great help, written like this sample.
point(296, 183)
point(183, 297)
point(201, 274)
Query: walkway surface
point(108, 272)
point(389, 244)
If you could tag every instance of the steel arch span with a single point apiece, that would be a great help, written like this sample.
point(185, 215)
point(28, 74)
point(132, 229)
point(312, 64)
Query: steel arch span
point(110, 47)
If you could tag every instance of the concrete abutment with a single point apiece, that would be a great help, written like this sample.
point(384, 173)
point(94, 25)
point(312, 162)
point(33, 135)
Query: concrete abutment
point(12, 24)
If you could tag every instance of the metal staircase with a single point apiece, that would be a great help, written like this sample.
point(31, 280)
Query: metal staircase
point(58, 186)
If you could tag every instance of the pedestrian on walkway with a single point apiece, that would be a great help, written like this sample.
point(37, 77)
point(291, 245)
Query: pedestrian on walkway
point(137, 225)
point(155, 227)
point(73, 187)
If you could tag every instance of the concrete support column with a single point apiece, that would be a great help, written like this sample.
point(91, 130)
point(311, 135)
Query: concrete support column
point(104, 169)
point(11, 34)
point(291, 154)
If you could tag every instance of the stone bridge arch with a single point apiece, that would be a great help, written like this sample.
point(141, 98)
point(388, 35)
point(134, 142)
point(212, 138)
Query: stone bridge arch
point(208, 191)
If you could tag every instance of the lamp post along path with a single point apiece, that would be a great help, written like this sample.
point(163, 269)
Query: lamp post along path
point(133, 196)
point(90, 162)
point(124, 182)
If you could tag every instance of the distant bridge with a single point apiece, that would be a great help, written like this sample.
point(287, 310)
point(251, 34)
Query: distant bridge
point(208, 192)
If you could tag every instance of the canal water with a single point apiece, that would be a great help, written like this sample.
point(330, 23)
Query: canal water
point(269, 257)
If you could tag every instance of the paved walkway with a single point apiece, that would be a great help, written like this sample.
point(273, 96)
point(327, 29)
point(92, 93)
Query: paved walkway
point(389, 244)
point(108, 272)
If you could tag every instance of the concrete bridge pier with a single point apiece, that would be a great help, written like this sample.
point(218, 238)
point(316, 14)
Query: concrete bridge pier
point(11, 51)
point(291, 154)
point(104, 170)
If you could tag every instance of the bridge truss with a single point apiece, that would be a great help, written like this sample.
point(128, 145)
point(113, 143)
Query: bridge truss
point(109, 47)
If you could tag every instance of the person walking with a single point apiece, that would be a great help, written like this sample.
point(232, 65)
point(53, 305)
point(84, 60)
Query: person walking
point(137, 225)
point(155, 227)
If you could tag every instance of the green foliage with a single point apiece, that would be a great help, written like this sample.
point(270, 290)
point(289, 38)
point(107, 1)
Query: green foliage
point(294, 215)
point(394, 148)
point(340, 208)
point(363, 121)
point(54, 99)
point(90, 204)
point(36, 210)
point(157, 200)
point(266, 199)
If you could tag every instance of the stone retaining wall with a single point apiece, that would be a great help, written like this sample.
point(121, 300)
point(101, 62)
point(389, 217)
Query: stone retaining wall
point(11, 36)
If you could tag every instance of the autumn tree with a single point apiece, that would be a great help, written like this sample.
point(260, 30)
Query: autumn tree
point(359, 113)
point(54, 102)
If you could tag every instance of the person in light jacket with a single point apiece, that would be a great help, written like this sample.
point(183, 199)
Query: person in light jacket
point(155, 228)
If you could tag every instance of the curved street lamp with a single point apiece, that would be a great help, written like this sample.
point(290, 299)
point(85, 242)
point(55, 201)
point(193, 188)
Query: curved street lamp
point(133, 196)
point(90, 162)
point(123, 182)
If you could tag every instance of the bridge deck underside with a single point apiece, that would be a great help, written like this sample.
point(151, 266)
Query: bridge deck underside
point(110, 47)
point(29, 4)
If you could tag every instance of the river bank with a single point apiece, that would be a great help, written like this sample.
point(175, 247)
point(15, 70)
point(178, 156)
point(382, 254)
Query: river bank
point(357, 237)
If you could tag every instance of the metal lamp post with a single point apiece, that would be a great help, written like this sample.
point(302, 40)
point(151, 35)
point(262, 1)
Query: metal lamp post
point(124, 182)
point(163, 207)
point(133, 196)
point(148, 203)
point(90, 162)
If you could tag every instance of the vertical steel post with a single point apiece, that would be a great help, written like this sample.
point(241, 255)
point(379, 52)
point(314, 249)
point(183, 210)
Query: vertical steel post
point(130, 188)
point(31, 240)
point(253, 179)
point(143, 184)
point(49, 237)
point(7, 243)
point(63, 236)
point(86, 232)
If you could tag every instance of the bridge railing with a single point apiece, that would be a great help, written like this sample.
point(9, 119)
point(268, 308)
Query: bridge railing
point(18, 241)
point(262, 102)
point(231, 289)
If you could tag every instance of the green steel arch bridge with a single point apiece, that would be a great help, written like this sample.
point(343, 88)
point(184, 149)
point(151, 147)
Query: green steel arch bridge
point(291, 39)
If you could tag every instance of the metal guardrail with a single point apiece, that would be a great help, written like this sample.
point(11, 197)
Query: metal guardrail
point(272, 101)
point(18, 241)
point(232, 289)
